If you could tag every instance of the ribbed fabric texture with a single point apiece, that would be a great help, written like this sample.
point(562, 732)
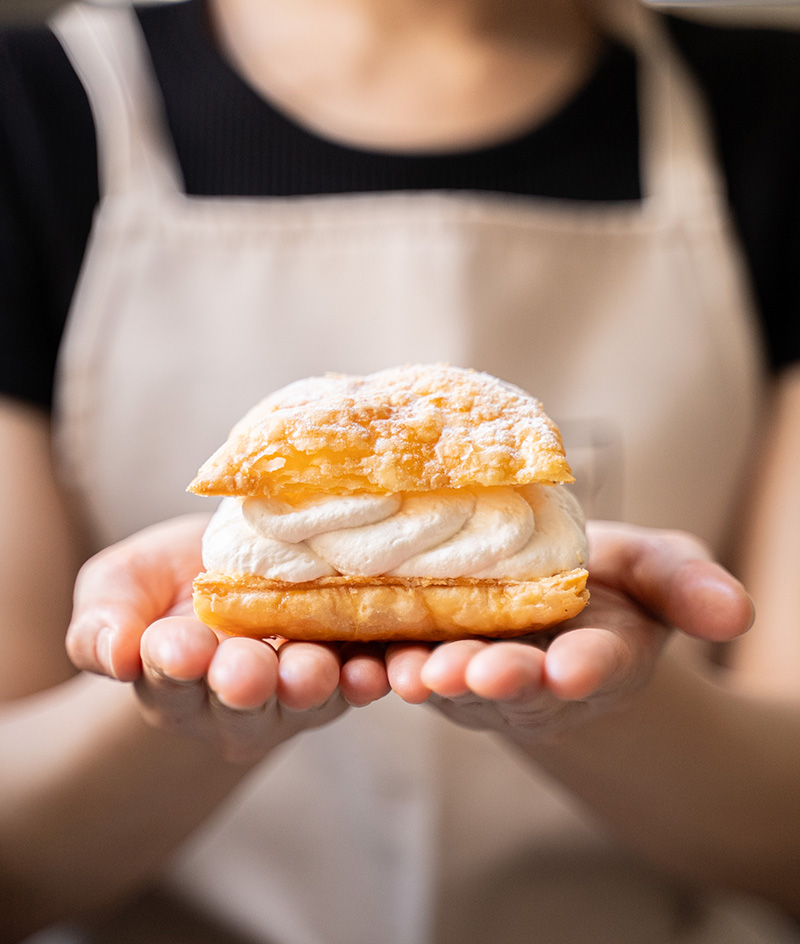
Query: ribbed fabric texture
point(230, 142)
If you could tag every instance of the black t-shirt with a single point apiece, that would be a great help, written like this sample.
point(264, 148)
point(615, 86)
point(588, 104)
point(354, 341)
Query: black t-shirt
point(230, 142)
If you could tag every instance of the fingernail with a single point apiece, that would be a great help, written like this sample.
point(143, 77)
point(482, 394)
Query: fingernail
point(162, 656)
point(752, 613)
point(103, 649)
point(216, 700)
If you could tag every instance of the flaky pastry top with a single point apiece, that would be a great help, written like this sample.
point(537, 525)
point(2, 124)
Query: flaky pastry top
point(403, 429)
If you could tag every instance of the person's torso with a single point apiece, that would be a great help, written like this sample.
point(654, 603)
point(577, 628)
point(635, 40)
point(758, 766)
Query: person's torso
point(632, 324)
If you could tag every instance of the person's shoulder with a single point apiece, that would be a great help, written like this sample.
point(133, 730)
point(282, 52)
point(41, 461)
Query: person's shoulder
point(44, 109)
point(747, 71)
point(48, 191)
point(35, 71)
point(33, 54)
point(750, 78)
point(170, 23)
point(30, 49)
point(715, 43)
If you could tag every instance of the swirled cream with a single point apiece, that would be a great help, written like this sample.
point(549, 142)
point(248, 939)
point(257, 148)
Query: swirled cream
point(487, 533)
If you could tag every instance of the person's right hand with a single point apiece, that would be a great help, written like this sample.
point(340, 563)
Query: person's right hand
point(645, 584)
point(133, 621)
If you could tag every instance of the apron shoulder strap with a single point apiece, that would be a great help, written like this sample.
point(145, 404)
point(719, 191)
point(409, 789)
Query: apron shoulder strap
point(680, 169)
point(108, 52)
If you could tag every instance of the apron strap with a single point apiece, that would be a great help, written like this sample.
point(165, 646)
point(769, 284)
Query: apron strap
point(680, 170)
point(108, 52)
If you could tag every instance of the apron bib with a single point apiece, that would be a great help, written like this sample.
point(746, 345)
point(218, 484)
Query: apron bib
point(631, 322)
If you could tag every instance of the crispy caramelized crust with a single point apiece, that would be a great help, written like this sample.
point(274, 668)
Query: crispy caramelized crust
point(399, 430)
point(385, 609)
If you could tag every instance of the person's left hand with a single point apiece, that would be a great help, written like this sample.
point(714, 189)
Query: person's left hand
point(133, 621)
point(643, 583)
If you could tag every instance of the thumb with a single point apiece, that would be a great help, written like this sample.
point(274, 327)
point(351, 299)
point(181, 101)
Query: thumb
point(672, 575)
point(127, 586)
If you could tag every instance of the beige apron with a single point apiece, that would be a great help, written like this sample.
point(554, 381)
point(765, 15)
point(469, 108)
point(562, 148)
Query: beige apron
point(630, 321)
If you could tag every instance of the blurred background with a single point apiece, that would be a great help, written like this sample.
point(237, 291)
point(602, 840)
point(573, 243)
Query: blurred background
point(755, 11)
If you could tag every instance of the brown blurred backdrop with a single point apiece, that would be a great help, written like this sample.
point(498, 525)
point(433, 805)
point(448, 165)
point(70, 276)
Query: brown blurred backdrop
point(787, 12)
point(22, 10)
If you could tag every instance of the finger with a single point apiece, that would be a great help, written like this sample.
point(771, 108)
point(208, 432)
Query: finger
point(586, 662)
point(243, 674)
point(671, 574)
point(363, 678)
point(445, 671)
point(176, 654)
point(120, 591)
point(506, 672)
point(178, 647)
point(404, 662)
point(704, 600)
point(308, 674)
point(243, 681)
point(111, 611)
point(244, 736)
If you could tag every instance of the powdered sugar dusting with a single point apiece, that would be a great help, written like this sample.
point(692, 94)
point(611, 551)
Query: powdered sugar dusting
point(401, 429)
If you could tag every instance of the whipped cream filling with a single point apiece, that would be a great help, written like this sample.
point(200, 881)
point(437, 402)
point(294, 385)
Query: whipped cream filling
point(500, 524)
point(424, 520)
point(488, 533)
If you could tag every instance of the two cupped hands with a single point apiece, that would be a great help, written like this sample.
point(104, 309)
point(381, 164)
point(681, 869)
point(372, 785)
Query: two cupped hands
point(133, 621)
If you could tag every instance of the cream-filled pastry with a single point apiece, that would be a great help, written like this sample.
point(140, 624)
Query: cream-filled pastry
point(423, 502)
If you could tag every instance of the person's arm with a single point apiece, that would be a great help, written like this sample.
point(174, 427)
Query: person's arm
point(697, 777)
point(768, 557)
point(100, 780)
point(672, 756)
